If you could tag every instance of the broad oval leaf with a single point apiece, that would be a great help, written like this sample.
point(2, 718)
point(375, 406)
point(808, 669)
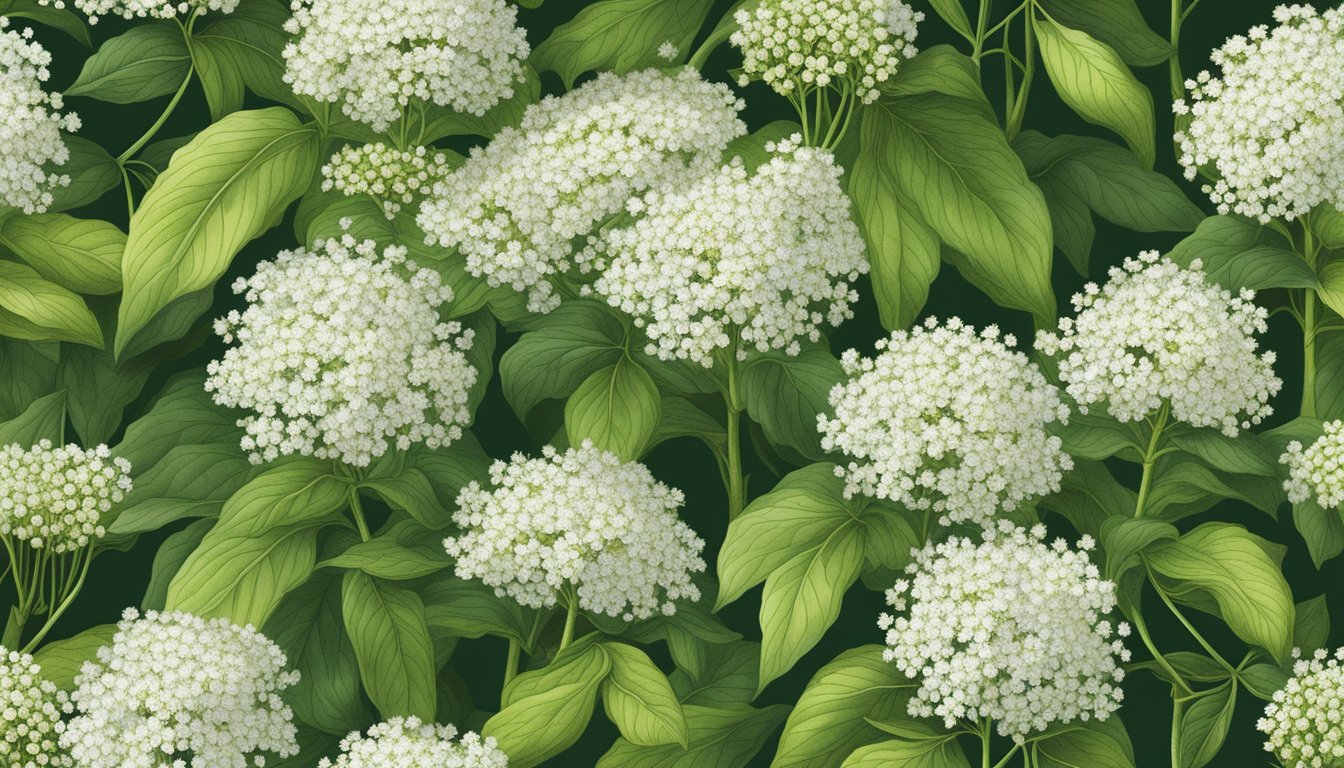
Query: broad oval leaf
point(1204, 726)
point(898, 753)
point(546, 710)
point(391, 639)
point(1095, 744)
point(640, 701)
point(83, 255)
point(617, 407)
point(620, 36)
point(36, 309)
point(146, 61)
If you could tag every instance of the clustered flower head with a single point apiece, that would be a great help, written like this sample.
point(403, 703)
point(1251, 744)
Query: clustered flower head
point(374, 58)
point(1158, 334)
point(391, 177)
point(949, 420)
point(339, 354)
point(31, 709)
point(55, 498)
point(1012, 629)
point(1317, 470)
point(582, 520)
point(1271, 128)
point(795, 45)
point(31, 122)
point(409, 743)
point(174, 690)
point(514, 208)
point(145, 9)
point(763, 258)
point(1304, 723)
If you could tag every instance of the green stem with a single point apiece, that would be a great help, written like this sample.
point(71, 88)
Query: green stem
point(1149, 457)
point(1309, 331)
point(13, 636)
point(1176, 707)
point(1008, 756)
point(571, 615)
point(357, 510)
point(984, 743)
point(1019, 113)
point(1161, 660)
point(1186, 623)
point(70, 593)
point(737, 496)
point(163, 118)
point(1177, 79)
point(978, 44)
point(511, 666)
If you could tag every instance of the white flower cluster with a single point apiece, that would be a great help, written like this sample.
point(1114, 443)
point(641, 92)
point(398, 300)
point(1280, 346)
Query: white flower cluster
point(54, 498)
point(1011, 629)
point(409, 743)
point(390, 176)
point(575, 160)
point(582, 520)
point(1318, 469)
point(947, 419)
point(1157, 333)
point(374, 58)
point(1304, 722)
point(1271, 128)
point(145, 9)
point(762, 257)
point(338, 354)
point(799, 44)
point(31, 710)
point(31, 122)
point(174, 690)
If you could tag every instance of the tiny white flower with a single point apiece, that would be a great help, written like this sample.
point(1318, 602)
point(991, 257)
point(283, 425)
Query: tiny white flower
point(1304, 723)
point(409, 743)
point(391, 177)
point(31, 122)
point(145, 9)
point(1317, 470)
point(32, 710)
point(56, 498)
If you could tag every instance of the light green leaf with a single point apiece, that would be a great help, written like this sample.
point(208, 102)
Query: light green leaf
point(1237, 254)
point(386, 558)
point(1204, 726)
point(471, 609)
point(620, 36)
point(640, 701)
point(221, 80)
point(168, 560)
point(939, 69)
point(1091, 78)
point(83, 255)
point(60, 660)
point(1103, 744)
point(63, 19)
point(226, 186)
point(1331, 287)
point(1117, 23)
point(1263, 680)
point(390, 636)
point(36, 309)
point(938, 753)
point(182, 414)
point(42, 420)
point(951, 12)
point(411, 492)
point(546, 710)
point(1125, 539)
point(142, 63)
point(617, 407)
point(720, 737)
point(1094, 437)
point(784, 394)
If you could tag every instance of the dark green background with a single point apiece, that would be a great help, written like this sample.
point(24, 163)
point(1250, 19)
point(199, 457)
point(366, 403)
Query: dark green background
point(118, 579)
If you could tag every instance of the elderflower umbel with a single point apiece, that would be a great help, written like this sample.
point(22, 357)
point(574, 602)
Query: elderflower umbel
point(373, 58)
point(391, 177)
point(31, 122)
point(1304, 722)
point(515, 206)
point(1011, 629)
point(766, 257)
point(1271, 128)
point(409, 743)
point(173, 690)
point(582, 520)
point(949, 420)
point(1317, 470)
point(793, 44)
point(1158, 333)
point(55, 498)
point(145, 9)
point(339, 355)
point(31, 710)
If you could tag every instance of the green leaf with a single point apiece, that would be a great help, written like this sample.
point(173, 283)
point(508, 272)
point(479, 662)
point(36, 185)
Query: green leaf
point(829, 720)
point(247, 45)
point(1237, 254)
point(896, 753)
point(387, 558)
point(552, 359)
point(1103, 744)
point(60, 660)
point(640, 701)
point(42, 420)
point(1091, 78)
point(1094, 437)
point(441, 121)
point(939, 69)
point(1240, 455)
point(784, 394)
point(617, 407)
point(1230, 565)
point(967, 184)
point(1331, 285)
point(620, 36)
point(1124, 539)
point(92, 173)
point(145, 62)
point(82, 255)
point(546, 710)
point(225, 187)
point(951, 12)
point(1204, 726)
point(1117, 23)
point(1263, 680)
point(1088, 496)
point(99, 388)
point(471, 609)
point(220, 79)
point(411, 492)
point(57, 18)
point(168, 560)
point(722, 674)
point(390, 636)
point(1311, 630)
point(720, 737)
point(36, 309)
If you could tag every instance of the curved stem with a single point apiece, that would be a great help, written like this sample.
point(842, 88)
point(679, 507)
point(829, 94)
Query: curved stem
point(1161, 660)
point(1008, 756)
point(1186, 623)
point(55, 615)
point(1014, 122)
point(1149, 457)
point(163, 118)
point(511, 665)
point(571, 615)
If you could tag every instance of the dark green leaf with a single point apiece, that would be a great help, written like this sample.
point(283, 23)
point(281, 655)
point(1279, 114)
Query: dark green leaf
point(720, 737)
point(44, 419)
point(60, 660)
point(145, 62)
point(390, 636)
point(551, 360)
point(1238, 254)
point(620, 36)
point(1204, 725)
point(784, 394)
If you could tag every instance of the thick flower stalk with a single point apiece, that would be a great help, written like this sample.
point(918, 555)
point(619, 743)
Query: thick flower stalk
point(391, 177)
point(1010, 630)
point(947, 420)
point(1158, 339)
point(32, 710)
point(376, 59)
point(1317, 470)
point(1304, 722)
point(1270, 127)
point(173, 690)
point(409, 743)
point(31, 122)
point(580, 527)
point(340, 355)
point(515, 207)
point(736, 261)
